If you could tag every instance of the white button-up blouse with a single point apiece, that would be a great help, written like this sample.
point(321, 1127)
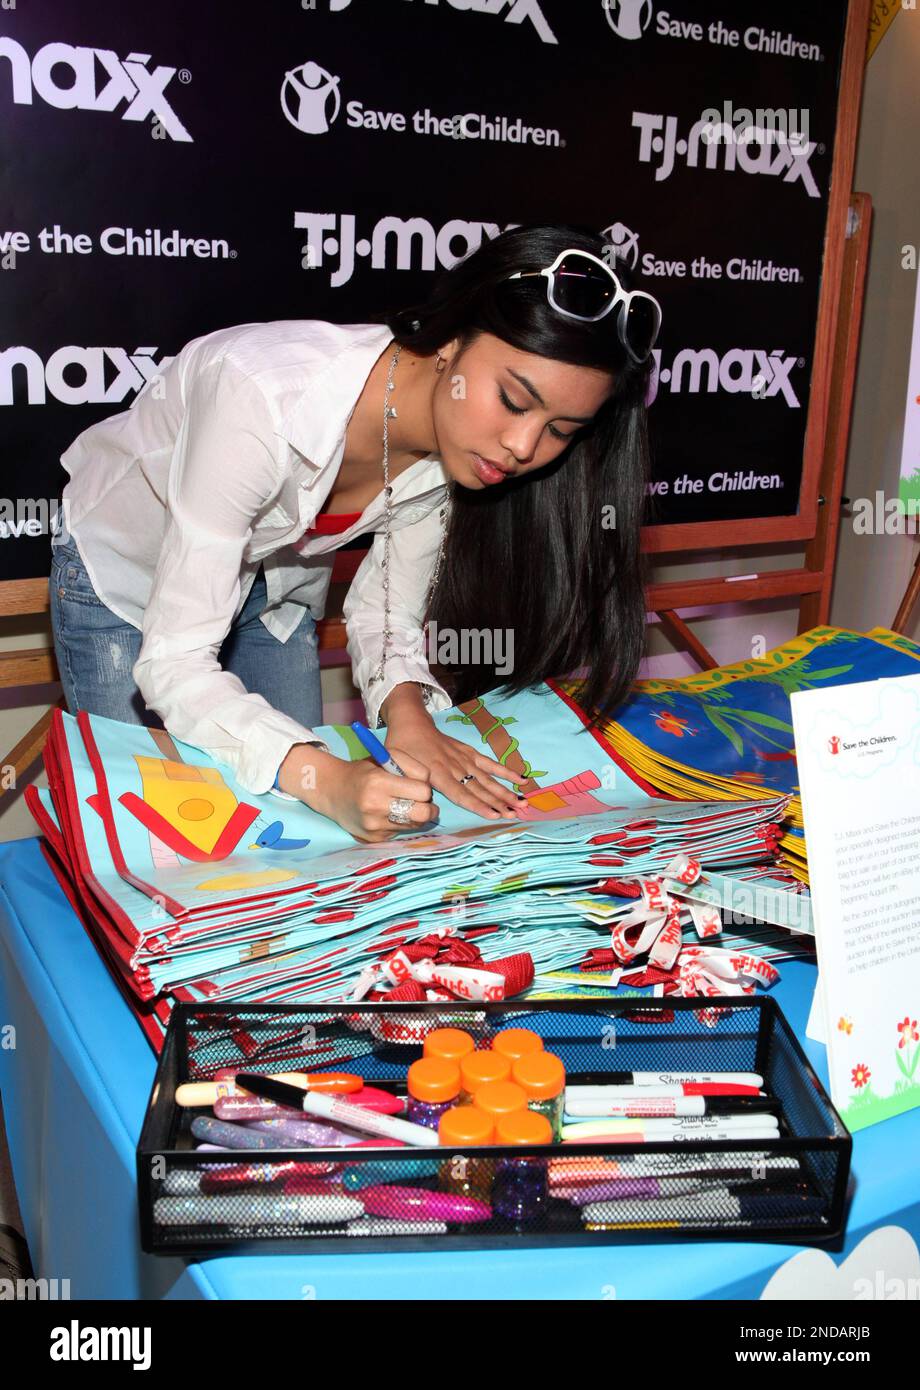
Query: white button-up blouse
point(221, 464)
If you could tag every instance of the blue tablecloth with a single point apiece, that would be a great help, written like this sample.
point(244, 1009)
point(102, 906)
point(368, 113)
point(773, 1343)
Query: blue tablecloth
point(75, 1086)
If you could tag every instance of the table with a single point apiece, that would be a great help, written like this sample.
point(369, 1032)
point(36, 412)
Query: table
point(75, 1075)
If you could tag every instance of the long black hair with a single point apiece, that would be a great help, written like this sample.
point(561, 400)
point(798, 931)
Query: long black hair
point(539, 555)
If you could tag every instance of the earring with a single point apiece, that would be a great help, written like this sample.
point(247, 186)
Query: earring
point(441, 364)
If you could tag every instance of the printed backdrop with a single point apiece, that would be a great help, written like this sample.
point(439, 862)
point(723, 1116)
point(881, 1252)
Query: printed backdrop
point(171, 169)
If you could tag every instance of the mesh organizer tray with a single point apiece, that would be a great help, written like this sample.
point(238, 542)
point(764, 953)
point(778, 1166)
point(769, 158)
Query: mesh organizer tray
point(593, 1041)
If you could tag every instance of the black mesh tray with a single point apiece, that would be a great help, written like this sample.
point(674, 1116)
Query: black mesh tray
point(594, 1039)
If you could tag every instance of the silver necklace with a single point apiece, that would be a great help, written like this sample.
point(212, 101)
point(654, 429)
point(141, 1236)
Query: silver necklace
point(389, 413)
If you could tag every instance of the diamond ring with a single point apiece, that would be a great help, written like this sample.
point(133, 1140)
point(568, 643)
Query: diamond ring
point(400, 806)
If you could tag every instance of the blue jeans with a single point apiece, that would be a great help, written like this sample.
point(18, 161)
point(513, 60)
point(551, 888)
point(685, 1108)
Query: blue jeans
point(96, 651)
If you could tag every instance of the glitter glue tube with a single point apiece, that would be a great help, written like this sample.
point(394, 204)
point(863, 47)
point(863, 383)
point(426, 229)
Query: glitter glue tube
point(358, 1175)
point(380, 1142)
point(498, 1098)
point(228, 1176)
point(542, 1076)
point(206, 1092)
point(224, 1177)
point(239, 1107)
point(517, 1042)
point(418, 1204)
point(520, 1189)
point(185, 1182)
point(476, 1068)
point(450, 1044)
point(235, 1136)
point(434, 1086)
point(464, 1127)
point(300, 1133)
point(261, 1209)
point(316, 1187)
point(383, 1102)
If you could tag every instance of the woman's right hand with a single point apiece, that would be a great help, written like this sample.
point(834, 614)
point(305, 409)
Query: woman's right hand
point(357, 795)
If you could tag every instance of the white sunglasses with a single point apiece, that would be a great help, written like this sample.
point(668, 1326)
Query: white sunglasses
point(582, 286)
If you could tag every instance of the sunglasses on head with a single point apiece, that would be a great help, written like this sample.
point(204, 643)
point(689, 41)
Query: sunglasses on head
point(581, 286)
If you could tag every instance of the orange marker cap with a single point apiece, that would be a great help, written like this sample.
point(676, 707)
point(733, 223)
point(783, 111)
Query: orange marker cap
point(541, 1074)
point(500, 1098)
point(523, 1127)
point(517, 1042)
point(450, 1043)
point(339, 1083)
point(432, 1079)
point(464, 1124)
point(476, 1068)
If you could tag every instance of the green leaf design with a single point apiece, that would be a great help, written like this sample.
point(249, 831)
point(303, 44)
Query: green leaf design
point(725, 728)
point(829, 671)
point(900, 1061)
point(766, 719)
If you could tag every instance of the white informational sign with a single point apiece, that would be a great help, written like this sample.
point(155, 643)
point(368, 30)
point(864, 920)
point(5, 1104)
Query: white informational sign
point(858, 754)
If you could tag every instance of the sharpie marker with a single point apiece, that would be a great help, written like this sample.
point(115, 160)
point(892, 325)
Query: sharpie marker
point(242, 1106)
point(382, 757)
point(589, 1134)
point(677, 1084)
point(376, 749)
point(669, 1124)
point(339, 1111)
point(569, 1171)
point(663, 1106)
point(620, 1189)
point(678, 1167)
point(711, 1208)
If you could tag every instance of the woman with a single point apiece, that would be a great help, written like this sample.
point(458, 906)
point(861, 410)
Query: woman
point(202, 523)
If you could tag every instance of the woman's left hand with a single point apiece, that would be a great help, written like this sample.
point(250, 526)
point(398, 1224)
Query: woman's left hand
point(448, 760)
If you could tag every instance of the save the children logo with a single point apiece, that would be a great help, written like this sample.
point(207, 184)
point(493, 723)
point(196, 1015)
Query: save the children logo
point(93, 79)
point(621, 245)
point(628, 18)
point(833, 743)
point(310, 98)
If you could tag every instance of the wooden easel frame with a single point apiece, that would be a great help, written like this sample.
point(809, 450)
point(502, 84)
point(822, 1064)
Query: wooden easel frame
point(813, 582)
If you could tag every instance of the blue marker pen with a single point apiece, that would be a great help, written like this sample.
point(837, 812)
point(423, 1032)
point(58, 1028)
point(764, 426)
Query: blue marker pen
point(376, 749)
point(380, 754)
